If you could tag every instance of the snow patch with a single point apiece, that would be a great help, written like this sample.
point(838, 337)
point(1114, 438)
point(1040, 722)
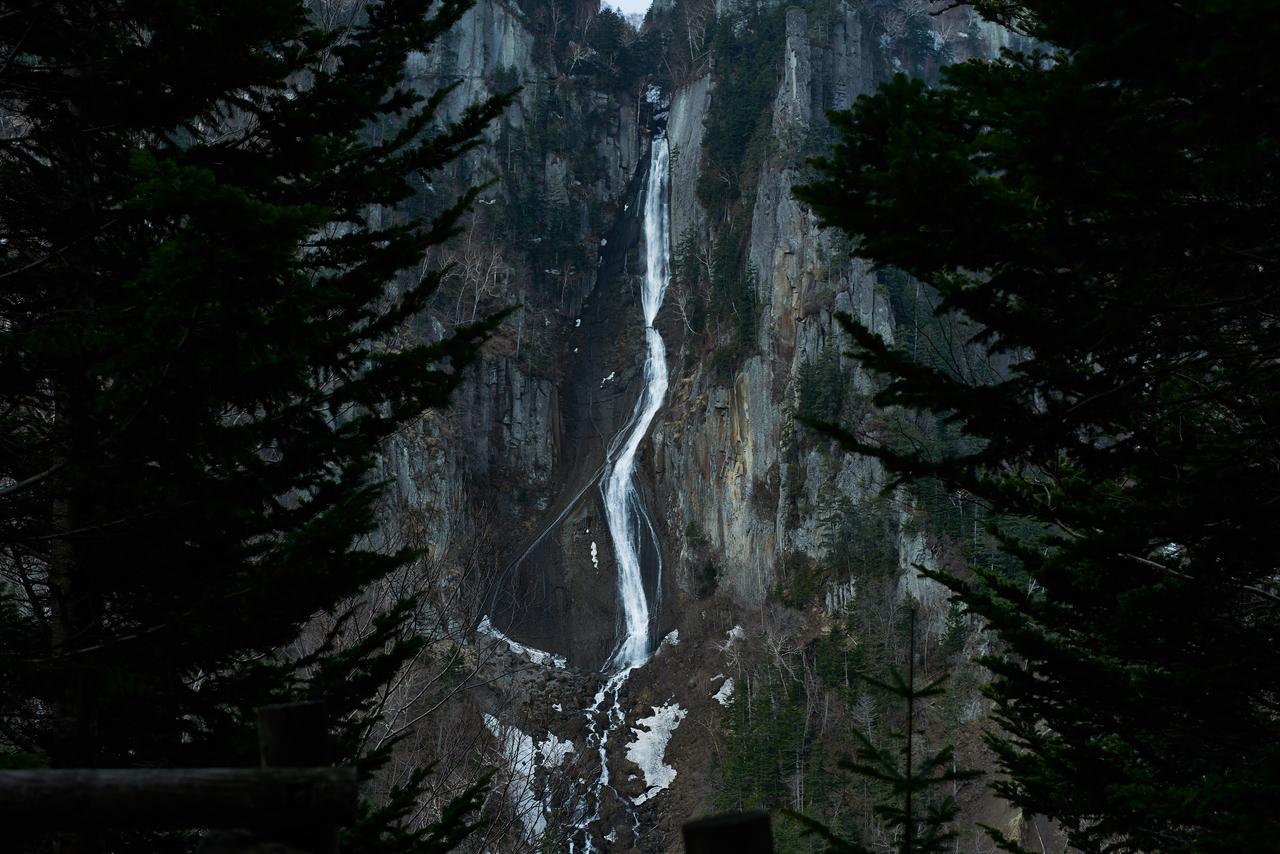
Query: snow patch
point(673, 637)
point(524, 757)
point(537, 656)
point(732, 636)
point(650, 745)
point(725, 693)
point(553, 751)
point(577, 322)
point(595, 555)
point(612, 374)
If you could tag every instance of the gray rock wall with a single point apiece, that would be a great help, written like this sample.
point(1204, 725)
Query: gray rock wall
point(684, 132)
point(720, 466)
point(724, 463)
point(727, 474)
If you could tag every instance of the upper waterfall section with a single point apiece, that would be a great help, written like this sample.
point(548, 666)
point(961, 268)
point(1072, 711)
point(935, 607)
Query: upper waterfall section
point(625, 513)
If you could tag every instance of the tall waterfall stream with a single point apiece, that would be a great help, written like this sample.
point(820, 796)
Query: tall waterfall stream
point(628, 522)
point(624, 510)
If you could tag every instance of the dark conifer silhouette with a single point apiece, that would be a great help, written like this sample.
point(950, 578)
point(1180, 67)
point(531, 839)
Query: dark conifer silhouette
point(200, 357)
point(1098, 221)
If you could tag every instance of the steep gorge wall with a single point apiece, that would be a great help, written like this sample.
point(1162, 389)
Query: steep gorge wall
point(728, 451)
point(561, 162)
point(741, 494)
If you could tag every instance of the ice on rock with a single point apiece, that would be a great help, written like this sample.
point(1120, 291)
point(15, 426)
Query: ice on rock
point(553, 751)
point(595, 555)
point(518, 750)
point(732, 636)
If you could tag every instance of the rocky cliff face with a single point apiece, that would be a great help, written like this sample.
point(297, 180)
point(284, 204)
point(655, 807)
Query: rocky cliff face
point(753, 514)
point(724, 466)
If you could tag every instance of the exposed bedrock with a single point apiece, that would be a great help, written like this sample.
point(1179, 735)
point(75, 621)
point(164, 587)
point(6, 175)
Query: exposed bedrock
point(510, 475)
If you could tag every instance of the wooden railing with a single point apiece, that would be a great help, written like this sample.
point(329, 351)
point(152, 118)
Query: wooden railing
point(294, 799)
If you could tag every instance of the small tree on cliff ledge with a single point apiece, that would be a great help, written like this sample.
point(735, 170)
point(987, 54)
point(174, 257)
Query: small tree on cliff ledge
point(1105, 216)
point(195, 377)
point(919, 806)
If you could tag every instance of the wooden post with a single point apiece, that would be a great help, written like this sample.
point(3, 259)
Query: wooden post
point(296, 735)
point(731, 833)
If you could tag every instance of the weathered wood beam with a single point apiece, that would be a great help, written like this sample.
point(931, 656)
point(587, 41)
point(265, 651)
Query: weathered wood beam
point(175, 798)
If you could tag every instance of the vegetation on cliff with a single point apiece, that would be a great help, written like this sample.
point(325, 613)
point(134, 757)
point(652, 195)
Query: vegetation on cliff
point(1098, 224)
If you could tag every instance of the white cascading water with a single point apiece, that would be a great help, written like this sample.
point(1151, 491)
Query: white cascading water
point(623, 509)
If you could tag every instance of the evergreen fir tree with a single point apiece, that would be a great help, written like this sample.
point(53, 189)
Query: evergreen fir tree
point(1099, 222)
point(199, 362)
point(915, 811)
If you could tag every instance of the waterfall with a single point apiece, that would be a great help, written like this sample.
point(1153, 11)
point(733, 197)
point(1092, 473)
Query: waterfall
point(623, 509)
point(624, 512)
